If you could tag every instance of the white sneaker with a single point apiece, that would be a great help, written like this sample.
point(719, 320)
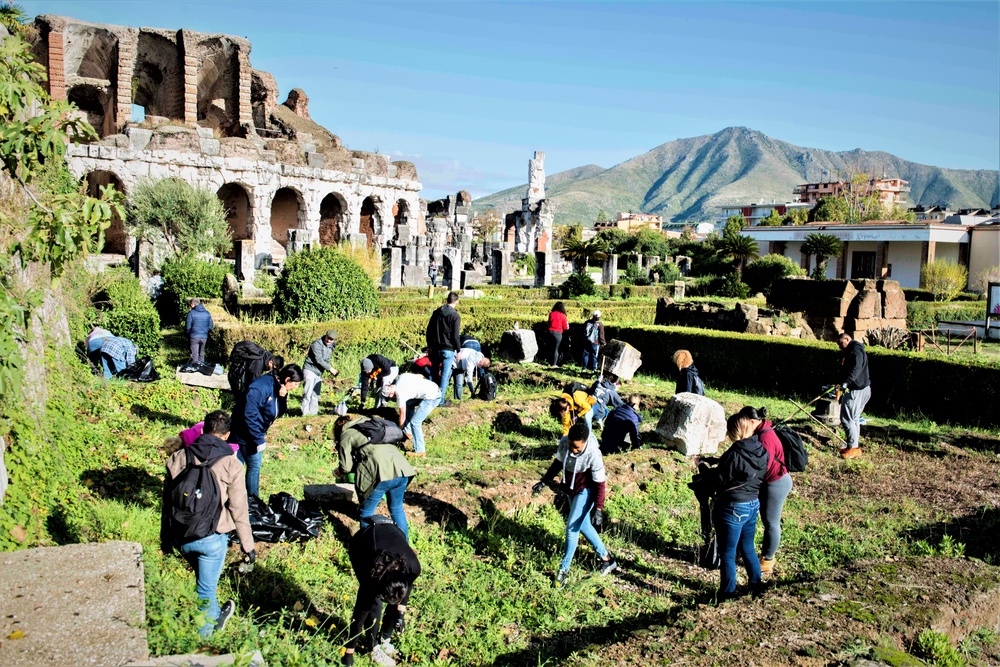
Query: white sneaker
point(380, 658)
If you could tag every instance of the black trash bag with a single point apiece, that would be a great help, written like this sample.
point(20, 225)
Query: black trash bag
point(302, 521)
point(193, 367)
point(141, 371)
point(263, 522)
point(703, 485)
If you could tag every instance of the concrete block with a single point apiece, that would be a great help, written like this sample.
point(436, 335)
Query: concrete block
point(206, 133)
point(316, 160)
point(326, 494)
point(519, 345)
point(620, 358)
point(693, 425)
point(210, 146)
point(202, 380)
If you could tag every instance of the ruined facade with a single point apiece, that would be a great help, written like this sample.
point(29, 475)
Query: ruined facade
point(188, 105)
point(530, 229)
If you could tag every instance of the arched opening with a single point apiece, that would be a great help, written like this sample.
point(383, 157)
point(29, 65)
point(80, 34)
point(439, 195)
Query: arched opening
point(92, 101)
point(369, 219)
point(157, 80)
point(400, 216)
point(236, 201)
point(218, 90)
point(114, 236)
point(447, 271)
point(91, 68)
point(331, 219)
point(284, 217)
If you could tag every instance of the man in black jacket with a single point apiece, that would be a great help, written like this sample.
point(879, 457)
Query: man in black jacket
point(376, 372)
point(443, 342)
point(855, 389)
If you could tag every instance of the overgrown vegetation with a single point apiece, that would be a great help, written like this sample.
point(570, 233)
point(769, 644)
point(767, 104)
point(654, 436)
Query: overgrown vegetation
point(762, 273)
point(126, 311)
point(323, 284)
point(944, 278)
point(173, 212)
point(578, 284)
point(186, 276)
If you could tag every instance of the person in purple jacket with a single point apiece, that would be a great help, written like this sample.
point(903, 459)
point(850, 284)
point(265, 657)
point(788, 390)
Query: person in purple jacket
point(623, 422)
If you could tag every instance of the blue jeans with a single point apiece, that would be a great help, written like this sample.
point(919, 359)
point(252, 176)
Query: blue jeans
point(445, 360)
point(579, 522)
point(207, 556)
point(112, 366)
point(590, 356)
point(589, 418)
point(393, 491)
point(416, 413)
point(735, 524)
point(252, 463)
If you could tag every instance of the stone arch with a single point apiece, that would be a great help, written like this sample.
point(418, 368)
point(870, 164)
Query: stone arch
point(157, 79)
point(236, 200)
point(401, 212)
point(90, 52)
point(332, 216)
point(218, 85)
point(115, 238)
point(370, 219)
point(93, 101)
point(287, 207)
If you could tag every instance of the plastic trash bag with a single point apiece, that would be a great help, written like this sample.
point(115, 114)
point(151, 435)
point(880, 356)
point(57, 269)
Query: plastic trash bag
point(283, 519)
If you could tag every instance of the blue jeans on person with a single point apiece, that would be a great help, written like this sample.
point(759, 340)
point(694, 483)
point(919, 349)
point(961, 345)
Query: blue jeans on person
point(589, 418)
point(590, 355)
point(252, 463)
point(112, 366)
point(207, 556)
point(735, 524)
point(416, 412)
point(445, 360)
point(579, 522)
point(392, 490)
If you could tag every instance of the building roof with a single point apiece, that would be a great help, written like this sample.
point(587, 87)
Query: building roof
point(873, 230)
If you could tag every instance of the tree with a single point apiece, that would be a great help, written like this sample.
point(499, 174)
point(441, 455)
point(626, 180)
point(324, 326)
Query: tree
point(13, 17)
point(601, 215)
point(617, 240)
point(564, 233)
point(861, 198)
point(649, 242)
point(773, 219)
point(189, 219)
point(823, 246)
point(898, 212)
point(761, 274)
point(734, 225)
point(581, 253)
point(738, 249)
point(796, 216)
point(944, 279)
point(485, 225)
point(829, 209)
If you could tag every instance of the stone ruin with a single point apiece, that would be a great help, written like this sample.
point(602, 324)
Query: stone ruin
point(693, 425)
point(833, 306)
point(530, 229)
point(741, 318)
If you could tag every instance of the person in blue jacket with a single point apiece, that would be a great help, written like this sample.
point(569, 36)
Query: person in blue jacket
point(265, 400)
point(622, 423)
point(199, 323)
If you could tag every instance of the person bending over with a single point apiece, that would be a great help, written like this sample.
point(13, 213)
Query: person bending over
point(621, 425)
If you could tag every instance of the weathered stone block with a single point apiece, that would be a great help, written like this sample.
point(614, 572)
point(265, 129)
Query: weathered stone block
point(201, 380)
point(316, 160)
point(473, 294)
point(210, 146)
point(866, 305)
point(679, 287)
point(139, 138)
point(894, 305)
point(759, 327)
point(471, 277)
point(206, 133)
point(195, 660)
point(414, 275)
point(693, 425)
point(620, 358)
point(518, 345)
point(326, 494)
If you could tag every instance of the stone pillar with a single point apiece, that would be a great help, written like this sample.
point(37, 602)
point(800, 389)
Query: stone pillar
point(501, 267)
point(127, 44)
point(393, 260)
point(679, 289)
point(245, 112)
point(882, 260)
point(186, 42)
point(454, 257)
point(842, 269)
point(57, 67)
point(609, 272)
point(245, 259)
point(543, 269)
point(465, 243)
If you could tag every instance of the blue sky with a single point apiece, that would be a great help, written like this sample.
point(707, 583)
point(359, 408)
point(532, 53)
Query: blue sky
point(467, 90)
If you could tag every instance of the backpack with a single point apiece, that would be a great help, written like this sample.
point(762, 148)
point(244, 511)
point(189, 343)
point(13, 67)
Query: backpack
point(699, 386)
point(796, 456)
point(246, 363)
point(574, 387)
point(196, 501)
point(141, 371)
point(488, 387)
point(380, 431)
point(593, 331)
point(606, 394)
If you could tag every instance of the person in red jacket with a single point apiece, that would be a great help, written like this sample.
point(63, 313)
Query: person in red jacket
point(557, 326)
point(775, 489)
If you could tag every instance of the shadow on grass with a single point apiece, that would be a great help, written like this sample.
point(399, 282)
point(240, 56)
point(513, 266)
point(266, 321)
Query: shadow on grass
point(142, 412)
point(978, 532)
point(125, 484)
point(446, 515)
point(496, 529)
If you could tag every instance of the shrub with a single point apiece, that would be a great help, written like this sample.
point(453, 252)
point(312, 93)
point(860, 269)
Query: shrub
point(265, 283)
point(578, 284)
point(733, 288)
point(667, 272)
point(633, 275)
point(368, 257)
point(526, 263)
point(937, 650)
point(762, 273)
point(323, 284)
point(892, 338)
point(189, 219)
point(126, 311)
point(944, 279)
point(187, 276)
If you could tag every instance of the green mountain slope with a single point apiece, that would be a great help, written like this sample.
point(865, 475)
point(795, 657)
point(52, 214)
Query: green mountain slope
point(688, 179)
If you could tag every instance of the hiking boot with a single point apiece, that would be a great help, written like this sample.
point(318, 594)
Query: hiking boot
point(608, 566)
point(379, 657)
point(225, 612)
point(766, 565)
point(562, 578)
point(852, 453)
point(416, 454)
point(447, 404)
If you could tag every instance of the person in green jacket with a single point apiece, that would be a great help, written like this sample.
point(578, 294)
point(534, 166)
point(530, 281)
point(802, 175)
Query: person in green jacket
point(380, 471)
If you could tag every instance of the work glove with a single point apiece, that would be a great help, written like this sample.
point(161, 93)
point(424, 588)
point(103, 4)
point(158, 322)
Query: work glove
point(347, 660)
point(400, 624)
point(248, 560)
point(598, 518)
point(537, 488)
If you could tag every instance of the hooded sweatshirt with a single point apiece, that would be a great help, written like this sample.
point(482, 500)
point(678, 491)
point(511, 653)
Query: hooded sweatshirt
point(580, 404)
point(741, 472)
point(580, 470)
point(686, 380)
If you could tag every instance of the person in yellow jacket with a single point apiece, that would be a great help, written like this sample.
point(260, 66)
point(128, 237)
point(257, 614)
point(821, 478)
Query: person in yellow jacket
point(571, 406)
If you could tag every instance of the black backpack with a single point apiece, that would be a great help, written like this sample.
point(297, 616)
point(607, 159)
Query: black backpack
point(141, 371)
point(488, 387)
point(796, 456)
point(574, 387)
point(380, 431)
point(196, 501)
point(247, 362)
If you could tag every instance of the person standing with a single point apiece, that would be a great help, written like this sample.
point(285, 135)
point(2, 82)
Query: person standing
point(376, 372)
point(386, 568)
point(416, 397)
point(855, 390)
point(206, 553)
point(688, 379)
point(584, 481)
point(265, 400)
point(199, 323)
point(317, 360)
point(443, 342)
point(117, 354)
point(620, 425)
point(775, 489)
point(594, 333)
point(557, 326)
point(432, 273)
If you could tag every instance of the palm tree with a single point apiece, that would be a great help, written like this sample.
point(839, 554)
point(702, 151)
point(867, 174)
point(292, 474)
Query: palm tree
point(13, 17)
point(582, 252)
point(823, 246)
point(739, 249)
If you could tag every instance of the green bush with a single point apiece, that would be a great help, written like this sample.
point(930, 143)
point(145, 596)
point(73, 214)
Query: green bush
point(733, 288)
point(578, 284)
point(944, 279)
point(265, 283)
point(761, 274)
point(187, 276)
point(321, 285)
point(126, 311)
point(937, 650)
point(914, 294)
point(633, 275)
point(926, 315)
point(667, 272)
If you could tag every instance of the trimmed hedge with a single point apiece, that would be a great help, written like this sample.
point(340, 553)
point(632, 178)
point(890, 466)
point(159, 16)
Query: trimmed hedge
point(323, 284)
point(126, 311)
point(914, 294)
point(926, 315)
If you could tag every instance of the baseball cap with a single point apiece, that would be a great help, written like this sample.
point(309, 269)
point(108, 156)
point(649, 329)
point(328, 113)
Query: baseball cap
point(367, 366)
point(597, 313)
point(331, 334)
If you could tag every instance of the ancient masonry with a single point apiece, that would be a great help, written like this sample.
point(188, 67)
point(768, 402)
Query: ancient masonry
point(204, 115)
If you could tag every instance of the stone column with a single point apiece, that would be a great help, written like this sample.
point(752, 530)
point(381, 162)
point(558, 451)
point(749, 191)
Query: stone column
point(393, 260)
point(246, 259)
point(609, 272)
point(501, 267)
point(245, 113)
point(454, 257)
point(127, 43)
point(543, 269)
point(186, 43)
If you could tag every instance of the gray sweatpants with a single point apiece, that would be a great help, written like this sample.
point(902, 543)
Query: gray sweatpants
point(312, 384)
point(772, 500)
point(852, 404)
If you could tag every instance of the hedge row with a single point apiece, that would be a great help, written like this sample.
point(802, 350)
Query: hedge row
point(541, 293)
point(914, 294)
point(926, 315)
point(611, 311)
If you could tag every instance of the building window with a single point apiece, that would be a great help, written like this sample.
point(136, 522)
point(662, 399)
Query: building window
point(862, 265)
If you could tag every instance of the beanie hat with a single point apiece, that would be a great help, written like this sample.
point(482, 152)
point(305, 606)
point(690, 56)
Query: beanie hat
point(367, 366)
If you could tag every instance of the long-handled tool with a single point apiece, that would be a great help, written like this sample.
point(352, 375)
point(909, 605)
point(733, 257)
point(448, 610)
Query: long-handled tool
point(826, 426)
point(802, 408)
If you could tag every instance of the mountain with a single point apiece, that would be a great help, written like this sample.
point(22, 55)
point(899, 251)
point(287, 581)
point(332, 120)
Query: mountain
point(687, 180)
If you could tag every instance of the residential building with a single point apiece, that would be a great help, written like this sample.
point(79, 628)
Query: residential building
point(930, 212)
point(891, 191)
point(754, 213)
point(632, 222)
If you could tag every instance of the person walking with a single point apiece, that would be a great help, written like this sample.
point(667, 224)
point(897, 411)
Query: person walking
point(206, 553)
point(265, 400)
point(386, 568)
point(688, 379)
point(739, 477)
point(775, 489)
point(317, 361)
point(443, 342)
point(117, 354)
point(620, 425)
point(380, 471)
point(416, 397)
point(376, 372)
point(199, 323)
point(432, 273)
point(594, 334)
point(584, 481)
point(854, 392)
point(558, 325)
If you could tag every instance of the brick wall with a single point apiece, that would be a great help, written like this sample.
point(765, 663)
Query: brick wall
point(57, 68)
